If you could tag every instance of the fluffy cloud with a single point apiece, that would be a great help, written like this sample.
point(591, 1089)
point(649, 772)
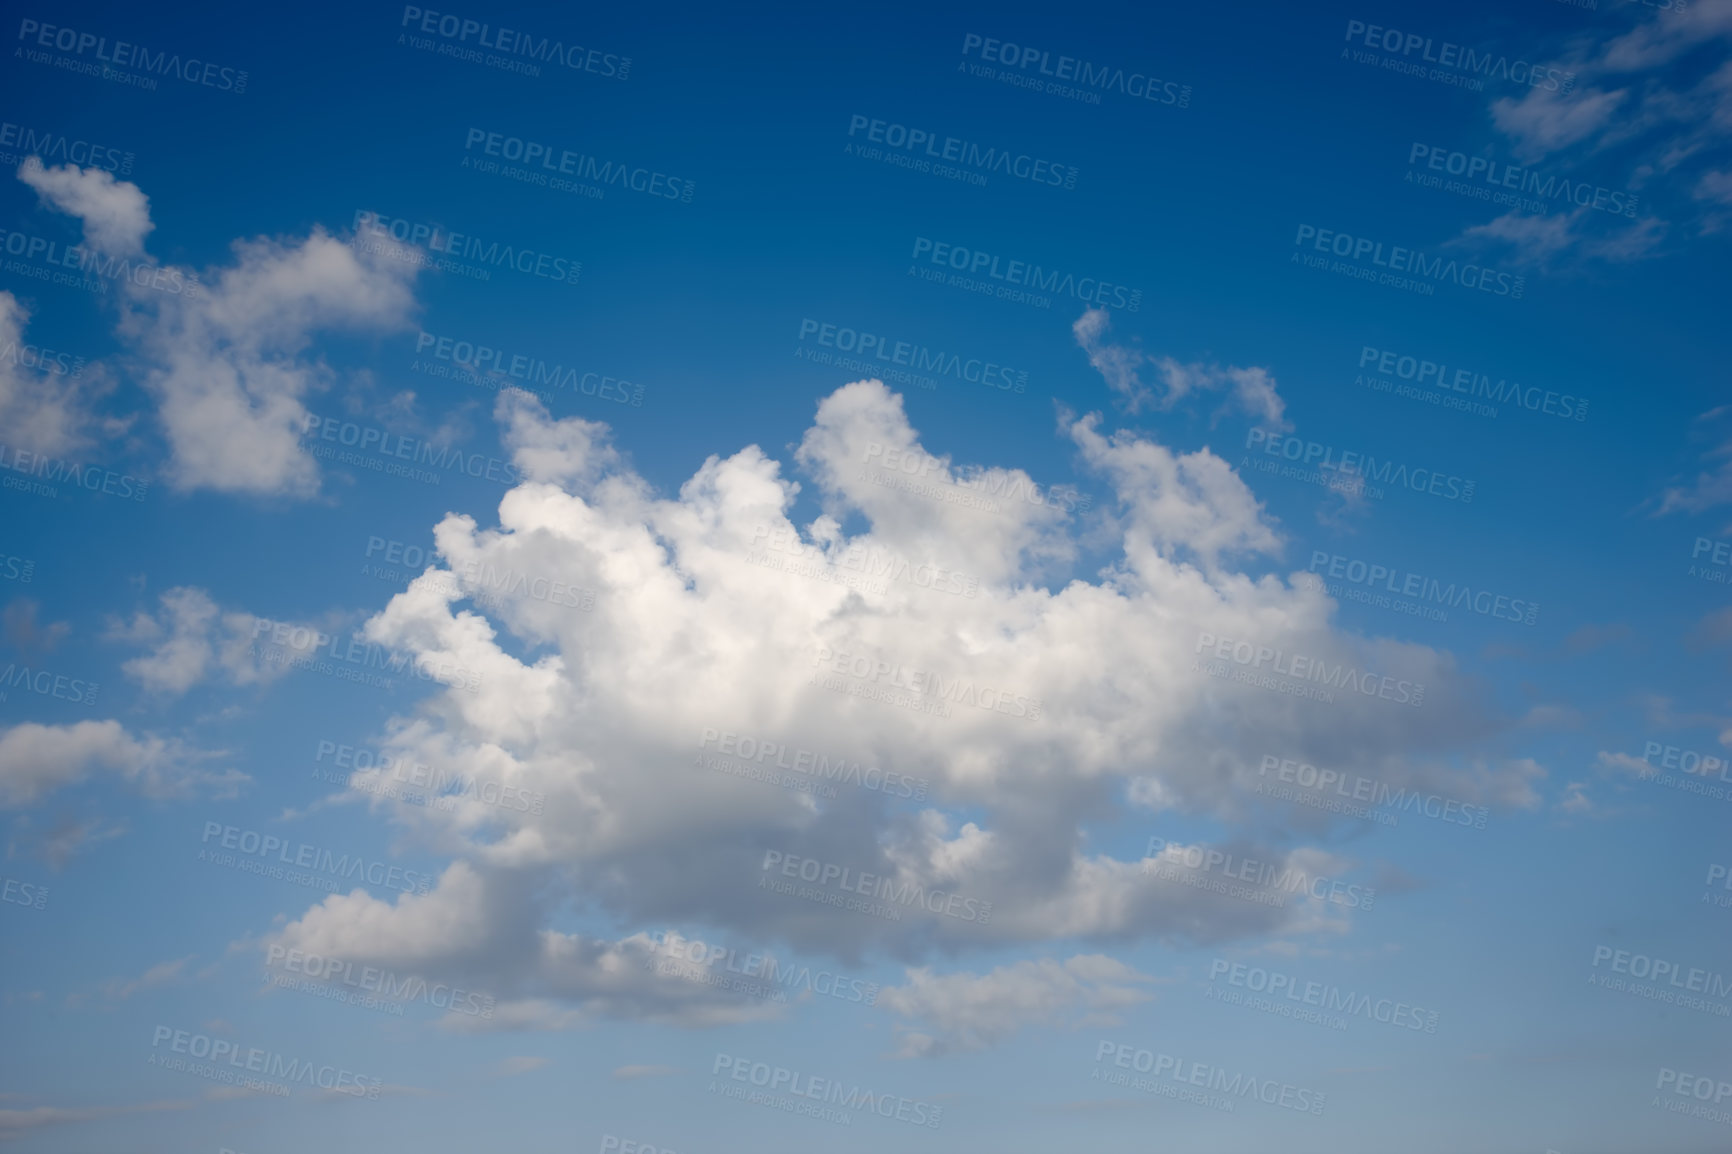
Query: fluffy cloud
point(229, 367)
point(115, 213)
point(36, 760)
point(41, 410)
point(964, 1011)
point(714, 612)
point(480, 925)
point(227, 358)
point(191, 637)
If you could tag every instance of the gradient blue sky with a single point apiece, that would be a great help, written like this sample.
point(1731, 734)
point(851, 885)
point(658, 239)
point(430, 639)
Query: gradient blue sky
point(702, 304)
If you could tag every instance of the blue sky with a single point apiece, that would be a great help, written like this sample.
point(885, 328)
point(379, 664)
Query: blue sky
point(1118, 615)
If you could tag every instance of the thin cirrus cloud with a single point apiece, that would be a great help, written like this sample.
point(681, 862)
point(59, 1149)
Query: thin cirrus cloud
point(1632, 111)
point(1252, 390)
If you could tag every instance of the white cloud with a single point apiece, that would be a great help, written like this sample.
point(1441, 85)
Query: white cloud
point(19, 1123)
point(512, 1067)
point(229, 367)
point(1538, 239)
point(481, 925)
point(227, 358)
point(192, 638)
point(62, 841)
point(40, 411)
point(1116, 363)
point(1542, 122)
point(115, 213)
point(36, 760)
point(965, 1011)
point(1712, 486)
point(1177, 504)
point(160, 974)
point(1576, 801)
point(601, 713)
point(1253, 390)
point(1637, 93)
point(1624, 765)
